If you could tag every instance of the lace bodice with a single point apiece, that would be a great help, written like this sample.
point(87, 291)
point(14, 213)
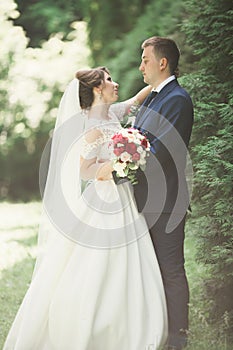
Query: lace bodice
point(97, 140)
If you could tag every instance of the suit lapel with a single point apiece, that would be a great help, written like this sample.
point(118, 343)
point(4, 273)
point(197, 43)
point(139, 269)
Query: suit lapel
point(145, 111)
point(159, 97)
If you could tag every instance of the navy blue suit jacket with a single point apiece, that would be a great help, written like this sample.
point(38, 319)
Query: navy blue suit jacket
point(167, 122)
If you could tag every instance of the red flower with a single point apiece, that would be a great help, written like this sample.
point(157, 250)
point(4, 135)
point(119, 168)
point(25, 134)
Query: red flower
point(131, 148)
point(118, 138)
point(118, 150)
point(135, 156)
point(144, 143)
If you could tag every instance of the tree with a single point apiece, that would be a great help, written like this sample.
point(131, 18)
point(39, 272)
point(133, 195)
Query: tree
point(32, 82)
point(210, 33)
point(122, 55)
point(115, 30)
point(42, 18)
point(108, 22)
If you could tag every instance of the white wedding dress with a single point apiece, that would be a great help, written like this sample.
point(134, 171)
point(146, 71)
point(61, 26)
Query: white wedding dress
point(100, 288)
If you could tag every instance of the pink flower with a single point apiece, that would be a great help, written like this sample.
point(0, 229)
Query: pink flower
point(117, 151)
point(131, 148)
point(118, 138)
point(136, 156)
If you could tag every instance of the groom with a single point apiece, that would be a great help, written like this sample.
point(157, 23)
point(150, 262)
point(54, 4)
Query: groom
point(166, 118)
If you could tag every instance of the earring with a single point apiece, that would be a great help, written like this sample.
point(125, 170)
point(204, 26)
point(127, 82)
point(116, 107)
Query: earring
point(100, 96)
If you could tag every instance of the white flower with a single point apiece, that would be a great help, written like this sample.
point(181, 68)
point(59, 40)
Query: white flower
point(140, 149)
point(125, 156)
point(142, 161)
point(124, 133)
point(143, 154)
point(137, 141)
point(131, 138)
point(119, 168)
point(131, 120)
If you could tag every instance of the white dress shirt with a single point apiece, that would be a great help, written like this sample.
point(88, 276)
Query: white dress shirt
point(164, 83)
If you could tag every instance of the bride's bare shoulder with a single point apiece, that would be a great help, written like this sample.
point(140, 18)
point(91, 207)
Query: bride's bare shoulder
point(92, 135)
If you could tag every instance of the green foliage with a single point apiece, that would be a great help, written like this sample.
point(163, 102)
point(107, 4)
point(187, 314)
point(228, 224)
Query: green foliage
point(115, 30)
point(160, 18)
point(108, 22)
point(211, 89)
point(42, 18)
point(209, 30)
point(32, 82)
point(203, 334)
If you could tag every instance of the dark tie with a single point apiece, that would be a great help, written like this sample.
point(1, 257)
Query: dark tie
point(144, 105)
point(149, 98)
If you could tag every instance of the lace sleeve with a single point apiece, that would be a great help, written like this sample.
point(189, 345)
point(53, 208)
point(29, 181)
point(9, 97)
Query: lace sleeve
point(119, 109)
point(92, 143)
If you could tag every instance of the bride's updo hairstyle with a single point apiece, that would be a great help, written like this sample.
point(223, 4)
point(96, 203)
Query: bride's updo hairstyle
point(88, 79)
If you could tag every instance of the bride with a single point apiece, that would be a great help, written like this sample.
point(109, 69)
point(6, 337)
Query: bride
point(96, 283)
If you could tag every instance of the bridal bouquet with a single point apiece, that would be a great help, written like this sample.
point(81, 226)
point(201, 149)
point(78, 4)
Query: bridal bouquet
point(130, 148)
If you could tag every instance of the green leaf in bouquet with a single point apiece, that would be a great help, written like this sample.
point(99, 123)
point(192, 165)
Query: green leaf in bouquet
point(133, 179)
point(132, 166)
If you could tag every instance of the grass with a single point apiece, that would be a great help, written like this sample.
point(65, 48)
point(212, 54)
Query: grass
point(18, 240)
point(18, 249)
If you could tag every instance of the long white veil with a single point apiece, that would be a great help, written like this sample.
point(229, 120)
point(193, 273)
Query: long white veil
point(62, 184)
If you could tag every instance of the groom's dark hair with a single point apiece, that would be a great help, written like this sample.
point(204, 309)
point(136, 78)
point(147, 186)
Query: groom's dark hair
point(165, 47)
